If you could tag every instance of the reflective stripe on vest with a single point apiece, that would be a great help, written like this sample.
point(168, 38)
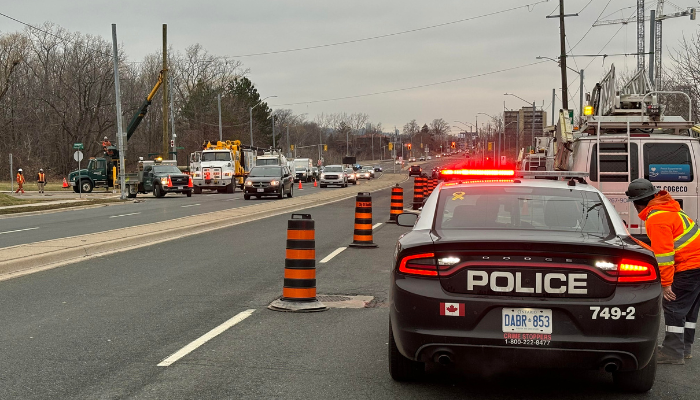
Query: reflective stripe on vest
point(690, 233)
point(665, 259)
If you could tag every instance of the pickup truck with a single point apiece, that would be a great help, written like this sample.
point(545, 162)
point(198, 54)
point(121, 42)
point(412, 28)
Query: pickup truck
point(159, 177)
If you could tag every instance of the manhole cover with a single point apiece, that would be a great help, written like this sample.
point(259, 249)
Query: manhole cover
point(330, 298)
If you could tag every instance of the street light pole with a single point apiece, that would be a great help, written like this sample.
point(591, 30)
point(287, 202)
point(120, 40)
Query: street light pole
point(274, 146)
point(251, 117)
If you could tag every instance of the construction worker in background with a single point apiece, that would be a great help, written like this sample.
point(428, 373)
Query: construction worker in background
point(676, 244)
point(20, 181)
point(105, 144)
point(41, 180)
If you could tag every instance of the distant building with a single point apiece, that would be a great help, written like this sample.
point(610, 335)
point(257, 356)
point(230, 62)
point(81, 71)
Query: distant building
point(521, 125)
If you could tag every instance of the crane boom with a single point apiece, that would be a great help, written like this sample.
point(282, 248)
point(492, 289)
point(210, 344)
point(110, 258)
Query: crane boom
point(143, 109)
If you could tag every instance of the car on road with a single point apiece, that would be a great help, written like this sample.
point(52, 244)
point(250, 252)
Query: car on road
point(352, 175)
point(377, 168)
point(501, 271)
point(333, 175)
point(437, 156)
point(430, 158)
point(364, 174)
point(421, 158)
point(397, 162)
point(412, 159)
point(269, 180)
point(415, 170)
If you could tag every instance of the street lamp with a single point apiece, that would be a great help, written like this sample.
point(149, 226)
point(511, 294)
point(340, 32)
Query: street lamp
point(532, 122)
point(580, 78)
point(499, 138)
point(251, 119)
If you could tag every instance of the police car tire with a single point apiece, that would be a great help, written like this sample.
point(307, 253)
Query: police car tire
point(401, 368)
point(640, 381)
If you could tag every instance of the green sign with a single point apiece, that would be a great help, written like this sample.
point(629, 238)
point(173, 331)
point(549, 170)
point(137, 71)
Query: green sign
point(78, 146)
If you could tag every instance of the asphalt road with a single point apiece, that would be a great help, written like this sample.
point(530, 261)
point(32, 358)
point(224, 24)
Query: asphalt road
point(29, 228)
point(99, 329)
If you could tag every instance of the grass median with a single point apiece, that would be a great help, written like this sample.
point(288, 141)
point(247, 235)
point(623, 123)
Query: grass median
point(31, 204)
point(50, 187)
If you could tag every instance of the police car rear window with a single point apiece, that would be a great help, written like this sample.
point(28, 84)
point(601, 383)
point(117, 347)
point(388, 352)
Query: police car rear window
point(522, 208)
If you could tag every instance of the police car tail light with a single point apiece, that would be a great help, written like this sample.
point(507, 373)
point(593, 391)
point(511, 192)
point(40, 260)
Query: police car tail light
point(419, 264)
point(633, 271)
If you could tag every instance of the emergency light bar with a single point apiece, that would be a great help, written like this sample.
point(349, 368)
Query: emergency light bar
point(552, 174)
point(478, 172)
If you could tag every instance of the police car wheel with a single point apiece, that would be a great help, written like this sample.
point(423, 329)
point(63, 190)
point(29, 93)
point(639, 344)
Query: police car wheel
point(637, 381)
point(401, 368)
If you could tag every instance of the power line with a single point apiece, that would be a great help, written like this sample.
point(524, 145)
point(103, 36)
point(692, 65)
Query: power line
point(389, 34)
point(589, 29)
point(412, 87)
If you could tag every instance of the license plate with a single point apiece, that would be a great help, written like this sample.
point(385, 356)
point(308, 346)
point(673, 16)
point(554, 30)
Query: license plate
point(261, 190)
point(527, 320)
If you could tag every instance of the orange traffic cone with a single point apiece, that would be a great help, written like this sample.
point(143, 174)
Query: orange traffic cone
point(65, 184)
point(315, 184)
point(300, 188)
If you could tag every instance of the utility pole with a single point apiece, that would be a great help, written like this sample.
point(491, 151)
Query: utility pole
point(289, 148)
point(562, 60)
point(554, 93)
point(165, 91)
point(273, 132)
point(580, 93)
point(120, 131)
point(218, 99)
point(532, 122)
point(172, 123)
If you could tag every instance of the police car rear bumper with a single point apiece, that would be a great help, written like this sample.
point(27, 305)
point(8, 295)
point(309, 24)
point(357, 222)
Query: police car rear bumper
point(577, 340)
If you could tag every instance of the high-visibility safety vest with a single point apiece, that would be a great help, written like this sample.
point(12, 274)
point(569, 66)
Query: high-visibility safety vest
point(20, 178)
point(674, 239)
point(41, 177)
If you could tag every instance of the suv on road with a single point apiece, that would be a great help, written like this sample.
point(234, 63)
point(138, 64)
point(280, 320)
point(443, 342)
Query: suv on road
point(528, 273)
point(415, 170)
point(269, 180)
point(333, 175)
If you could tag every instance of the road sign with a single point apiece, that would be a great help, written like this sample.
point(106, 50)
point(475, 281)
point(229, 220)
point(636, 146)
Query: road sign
point(78, 146)
point(78, 155)
point(172, 143)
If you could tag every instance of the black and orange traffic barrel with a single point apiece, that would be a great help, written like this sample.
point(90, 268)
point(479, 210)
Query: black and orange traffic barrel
point(299, 289)
point(418, 192)
point(362, 235)
point(396, 203)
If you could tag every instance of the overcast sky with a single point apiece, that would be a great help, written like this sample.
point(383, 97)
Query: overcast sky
point(501, 41)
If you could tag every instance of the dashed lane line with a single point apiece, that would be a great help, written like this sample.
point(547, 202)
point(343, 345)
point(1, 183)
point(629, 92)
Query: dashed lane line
point(124, 215)
point(377, 225)
point(19, 230)
point(191, 205)
point(333, 254)
point(206, 337)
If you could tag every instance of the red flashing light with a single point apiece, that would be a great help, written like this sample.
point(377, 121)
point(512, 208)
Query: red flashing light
point(170, 182)
point(633, 271)
point(479, 172)
point(414, 268)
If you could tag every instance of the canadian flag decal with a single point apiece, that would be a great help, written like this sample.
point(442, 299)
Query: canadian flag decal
point(452, 309)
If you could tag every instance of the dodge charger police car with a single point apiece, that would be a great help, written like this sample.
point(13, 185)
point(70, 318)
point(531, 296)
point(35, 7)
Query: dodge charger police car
point(524, 273)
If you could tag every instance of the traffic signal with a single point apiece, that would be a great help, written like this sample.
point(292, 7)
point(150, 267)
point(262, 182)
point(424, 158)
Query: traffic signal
point(391, 146)
point(291, 147)
point(325, 147)
point(408, 146)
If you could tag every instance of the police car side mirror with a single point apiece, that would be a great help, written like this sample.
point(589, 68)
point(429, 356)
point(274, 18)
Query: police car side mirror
point(406, 219)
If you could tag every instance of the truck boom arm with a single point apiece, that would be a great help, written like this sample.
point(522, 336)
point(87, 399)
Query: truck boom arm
point(143, 109)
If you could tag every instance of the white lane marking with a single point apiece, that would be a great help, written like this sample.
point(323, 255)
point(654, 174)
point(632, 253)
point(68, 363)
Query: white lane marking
point(333, 254)
point(375, 226)
point(191, 205)
point(206, 337)
point(125, 215)
point(19, 230)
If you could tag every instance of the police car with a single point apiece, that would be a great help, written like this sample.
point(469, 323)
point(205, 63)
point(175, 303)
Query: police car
point(521, 272)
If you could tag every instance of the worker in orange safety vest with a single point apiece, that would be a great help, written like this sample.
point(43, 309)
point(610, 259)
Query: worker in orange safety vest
point(41, 180)
point(20, 181)
point(675, 242)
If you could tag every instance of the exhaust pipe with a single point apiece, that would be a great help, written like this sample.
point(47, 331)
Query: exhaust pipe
point(611, 366)
point(444, 359)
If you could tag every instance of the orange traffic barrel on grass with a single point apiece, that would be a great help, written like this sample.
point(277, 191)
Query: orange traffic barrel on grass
point(418, 185)
point(362, 235)
point(396, 203)
point(299, 289)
